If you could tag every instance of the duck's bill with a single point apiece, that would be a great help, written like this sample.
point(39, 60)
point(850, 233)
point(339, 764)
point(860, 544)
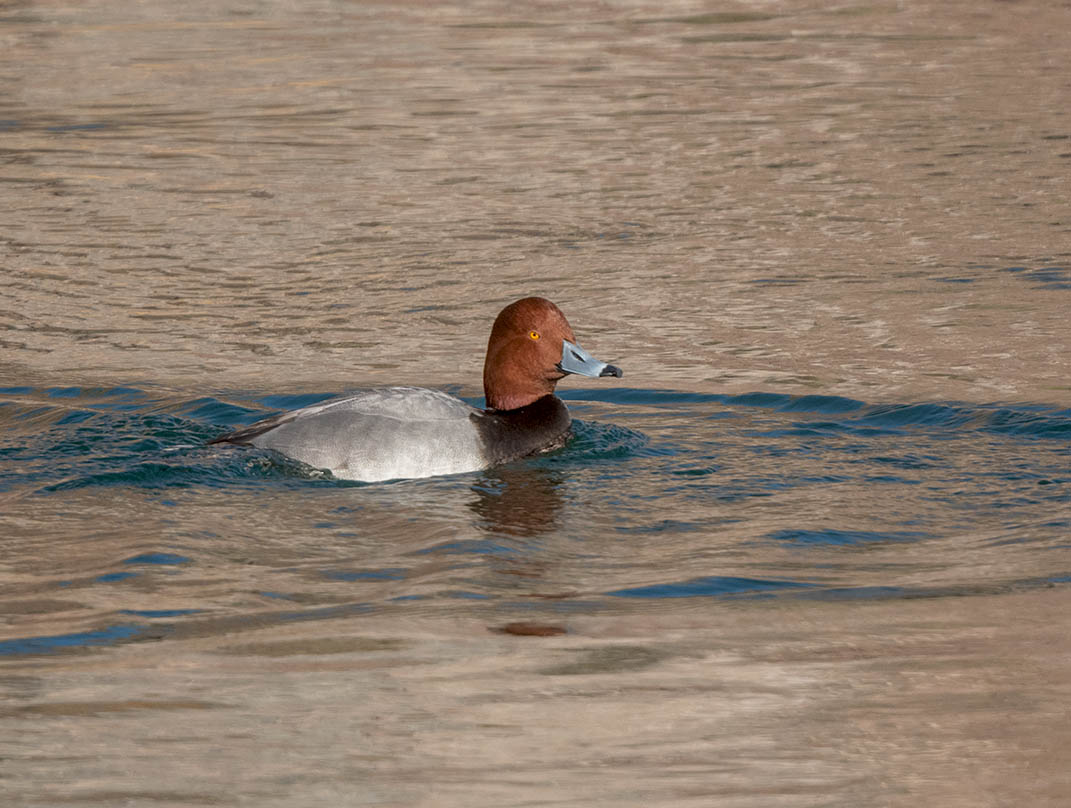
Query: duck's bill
point(576, 360)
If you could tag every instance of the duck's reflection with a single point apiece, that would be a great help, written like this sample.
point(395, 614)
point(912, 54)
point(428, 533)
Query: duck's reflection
point(521, 500)
point(525, 503)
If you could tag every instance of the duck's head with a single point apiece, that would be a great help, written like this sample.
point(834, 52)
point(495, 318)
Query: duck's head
point(531, 348)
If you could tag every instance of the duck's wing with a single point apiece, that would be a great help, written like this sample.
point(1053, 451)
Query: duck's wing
point(375, 435)
point(398, 403)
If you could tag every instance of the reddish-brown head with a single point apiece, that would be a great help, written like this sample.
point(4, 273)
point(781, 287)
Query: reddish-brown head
point(523, 353)
point(531, 348)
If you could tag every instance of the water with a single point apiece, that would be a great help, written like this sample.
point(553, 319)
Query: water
point(813, 549)
point(711, 495)
point(660, 549)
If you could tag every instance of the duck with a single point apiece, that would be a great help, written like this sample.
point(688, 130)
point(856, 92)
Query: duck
point(412, 432)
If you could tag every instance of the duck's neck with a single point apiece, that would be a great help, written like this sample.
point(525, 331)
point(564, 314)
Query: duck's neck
point(504, 391)
point(504, 402)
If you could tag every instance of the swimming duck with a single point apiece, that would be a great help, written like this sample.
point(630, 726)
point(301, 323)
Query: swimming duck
point(406, 432)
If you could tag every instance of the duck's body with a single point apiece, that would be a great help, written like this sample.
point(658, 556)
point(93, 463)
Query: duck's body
point(418, 433)
point(399, 432)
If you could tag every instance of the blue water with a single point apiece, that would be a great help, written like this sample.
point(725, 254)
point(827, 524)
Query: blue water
point(111, 495)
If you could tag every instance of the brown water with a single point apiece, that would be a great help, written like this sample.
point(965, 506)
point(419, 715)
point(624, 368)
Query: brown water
point(813, 549)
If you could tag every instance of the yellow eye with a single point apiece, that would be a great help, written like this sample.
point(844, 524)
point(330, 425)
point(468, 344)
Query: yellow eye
point(533, 334)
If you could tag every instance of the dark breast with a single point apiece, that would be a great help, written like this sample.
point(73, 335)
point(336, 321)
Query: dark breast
point(511, 434)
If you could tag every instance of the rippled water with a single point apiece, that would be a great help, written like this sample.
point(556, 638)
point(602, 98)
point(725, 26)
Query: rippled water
point(733, 512)
point(710, 495)
point(812, 550)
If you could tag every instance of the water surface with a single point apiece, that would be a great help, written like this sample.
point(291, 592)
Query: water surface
point(812, 550)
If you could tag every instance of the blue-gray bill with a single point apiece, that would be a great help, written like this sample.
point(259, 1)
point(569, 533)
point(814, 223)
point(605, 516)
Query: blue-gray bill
point(576, 360)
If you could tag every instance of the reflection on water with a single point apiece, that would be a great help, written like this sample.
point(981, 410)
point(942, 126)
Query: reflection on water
point(817, 555)
point(518, 500)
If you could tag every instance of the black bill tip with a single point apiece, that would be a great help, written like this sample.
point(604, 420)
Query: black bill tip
point(611, 370)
